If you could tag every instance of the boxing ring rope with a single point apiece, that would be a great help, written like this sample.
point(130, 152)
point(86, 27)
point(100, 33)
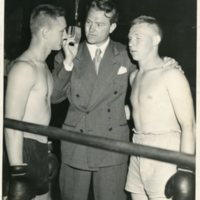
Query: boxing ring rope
point(174, 157)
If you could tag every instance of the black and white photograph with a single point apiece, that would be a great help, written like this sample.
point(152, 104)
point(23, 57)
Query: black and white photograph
point(99, 100)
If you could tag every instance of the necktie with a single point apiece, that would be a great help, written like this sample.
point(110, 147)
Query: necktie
point(97, 59)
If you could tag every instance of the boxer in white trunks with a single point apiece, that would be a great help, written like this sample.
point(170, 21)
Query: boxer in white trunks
point(162, 109)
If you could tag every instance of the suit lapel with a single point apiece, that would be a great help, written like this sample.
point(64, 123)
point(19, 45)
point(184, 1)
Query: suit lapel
point(108, 69)
point(85, 69)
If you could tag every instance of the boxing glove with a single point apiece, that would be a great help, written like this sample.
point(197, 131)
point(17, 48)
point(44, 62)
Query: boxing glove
point(20, 187)
point(53, 166)
point(181, 186)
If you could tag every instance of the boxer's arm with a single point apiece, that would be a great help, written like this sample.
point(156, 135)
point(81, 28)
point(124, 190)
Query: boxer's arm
point(180, 95)
point(20, 82)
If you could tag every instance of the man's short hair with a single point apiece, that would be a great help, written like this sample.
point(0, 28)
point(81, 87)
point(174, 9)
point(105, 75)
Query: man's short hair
point(148, 20)
point(108, 6)
point(44, 14)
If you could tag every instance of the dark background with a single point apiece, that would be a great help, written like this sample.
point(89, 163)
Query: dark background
point(177, 18)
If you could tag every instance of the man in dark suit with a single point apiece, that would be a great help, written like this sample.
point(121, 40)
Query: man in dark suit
point(96, 89)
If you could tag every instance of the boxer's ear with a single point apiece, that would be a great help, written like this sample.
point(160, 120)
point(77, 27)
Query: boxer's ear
point(156, 40)
point(44, 32)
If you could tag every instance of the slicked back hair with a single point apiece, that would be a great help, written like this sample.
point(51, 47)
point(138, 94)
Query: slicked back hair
point(108, 6)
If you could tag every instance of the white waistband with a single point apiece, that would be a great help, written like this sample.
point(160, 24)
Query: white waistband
point(157, 132)
point(39, 138)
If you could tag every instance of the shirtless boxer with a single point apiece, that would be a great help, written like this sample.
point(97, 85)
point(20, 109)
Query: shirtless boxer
point(163, 116)
point(29, 88)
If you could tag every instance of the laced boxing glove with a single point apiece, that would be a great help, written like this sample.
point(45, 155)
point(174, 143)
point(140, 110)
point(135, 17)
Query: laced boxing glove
point(53, 165)
point(20, 187)
point(181, 186)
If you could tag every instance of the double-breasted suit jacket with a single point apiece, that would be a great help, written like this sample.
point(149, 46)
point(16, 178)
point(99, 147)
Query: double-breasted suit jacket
point(96, 103)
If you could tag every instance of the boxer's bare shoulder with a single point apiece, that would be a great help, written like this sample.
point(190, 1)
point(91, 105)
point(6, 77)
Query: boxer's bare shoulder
point(22, 69)
point(132, 76)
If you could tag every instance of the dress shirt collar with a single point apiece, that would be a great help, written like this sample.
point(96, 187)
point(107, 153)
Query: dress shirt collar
point(92, 48)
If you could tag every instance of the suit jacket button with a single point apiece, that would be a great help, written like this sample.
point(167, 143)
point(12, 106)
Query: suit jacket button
point(77, 95)
point(108, 110)
point(87, 112)
point(110, 129)
point(115, 92)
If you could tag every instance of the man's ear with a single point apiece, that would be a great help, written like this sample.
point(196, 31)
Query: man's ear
point(112, 27)
point(156, 40)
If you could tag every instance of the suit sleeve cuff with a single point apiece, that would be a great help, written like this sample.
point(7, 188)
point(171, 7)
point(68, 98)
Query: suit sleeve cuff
point(68, 67)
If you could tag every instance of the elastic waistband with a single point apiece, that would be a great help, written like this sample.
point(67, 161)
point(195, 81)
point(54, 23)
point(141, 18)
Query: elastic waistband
point(159, 132)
